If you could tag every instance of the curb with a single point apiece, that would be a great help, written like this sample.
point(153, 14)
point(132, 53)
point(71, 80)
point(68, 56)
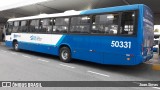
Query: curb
point(156, 67)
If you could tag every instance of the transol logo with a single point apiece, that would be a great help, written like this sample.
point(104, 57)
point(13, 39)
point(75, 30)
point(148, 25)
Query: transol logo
point(35, 38)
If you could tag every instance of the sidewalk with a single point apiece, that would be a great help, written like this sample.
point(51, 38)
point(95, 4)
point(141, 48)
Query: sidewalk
point(156, 59)
point(155, 62)
point(156, 65)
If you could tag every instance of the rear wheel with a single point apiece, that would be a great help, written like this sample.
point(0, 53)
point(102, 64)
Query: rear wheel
point(16, 46)
point(65, 54)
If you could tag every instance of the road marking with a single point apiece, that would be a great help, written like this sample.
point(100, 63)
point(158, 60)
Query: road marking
point(156, 87)
point(26, 56)
point(14, 53)
point(66, 66)
point(43, 60)
point(4, 51)
point(98, 73)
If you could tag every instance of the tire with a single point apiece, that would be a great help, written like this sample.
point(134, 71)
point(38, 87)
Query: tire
point(65, 54)
point(16, 46)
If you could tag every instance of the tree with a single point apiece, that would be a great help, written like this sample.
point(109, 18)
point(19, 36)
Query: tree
point(156, 30)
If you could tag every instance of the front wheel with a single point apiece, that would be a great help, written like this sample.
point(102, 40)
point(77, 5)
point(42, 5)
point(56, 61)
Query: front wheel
point(16, 46)
point(65, 54)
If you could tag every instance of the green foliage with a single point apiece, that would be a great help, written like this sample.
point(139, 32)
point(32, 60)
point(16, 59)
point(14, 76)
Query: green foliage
point(156, 30)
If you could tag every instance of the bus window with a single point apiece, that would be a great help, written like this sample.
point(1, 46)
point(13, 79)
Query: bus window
point(80, 24)
point(61, 25)
point(127, 23)
point(46, 25)
point(9, 28)
point(105, 24)
point(156, 42)
point(34, 26)
point(15, 27)
point(23, 26)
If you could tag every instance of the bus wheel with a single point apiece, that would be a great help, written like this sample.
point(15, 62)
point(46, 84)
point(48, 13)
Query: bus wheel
point(65, 54)
point(16, 46)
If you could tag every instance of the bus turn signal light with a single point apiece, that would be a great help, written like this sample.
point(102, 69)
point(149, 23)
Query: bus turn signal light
point(128, 59)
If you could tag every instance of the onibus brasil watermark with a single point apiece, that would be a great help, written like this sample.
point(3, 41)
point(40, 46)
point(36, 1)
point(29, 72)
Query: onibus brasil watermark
point(80, 84)
point(21, 84)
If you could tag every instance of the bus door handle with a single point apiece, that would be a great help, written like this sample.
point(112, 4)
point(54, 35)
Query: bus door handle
point(92, 50)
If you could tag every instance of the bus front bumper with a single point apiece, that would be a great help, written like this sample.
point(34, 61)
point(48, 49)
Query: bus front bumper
point(8, 43)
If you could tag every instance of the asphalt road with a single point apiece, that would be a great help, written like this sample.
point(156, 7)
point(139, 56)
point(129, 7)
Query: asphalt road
point(31, 66)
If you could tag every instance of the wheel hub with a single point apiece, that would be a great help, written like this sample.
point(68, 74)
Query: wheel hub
point(64, 55)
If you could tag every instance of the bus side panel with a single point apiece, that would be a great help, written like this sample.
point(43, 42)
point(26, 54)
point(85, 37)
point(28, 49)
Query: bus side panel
point(81, 48)
point(117, 51)
point(139, 58)
point(42, 48)
point(102, 46)
point(44, 43)
point(99, 49)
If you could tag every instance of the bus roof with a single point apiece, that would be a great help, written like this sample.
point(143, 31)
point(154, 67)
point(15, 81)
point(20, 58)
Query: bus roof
point(84, 12)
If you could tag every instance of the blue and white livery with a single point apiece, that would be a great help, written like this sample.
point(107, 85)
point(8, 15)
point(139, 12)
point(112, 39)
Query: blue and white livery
point(121, 35)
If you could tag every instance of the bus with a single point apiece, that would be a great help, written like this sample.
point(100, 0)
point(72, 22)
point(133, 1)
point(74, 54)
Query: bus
point(156, 45)
point(120, 35)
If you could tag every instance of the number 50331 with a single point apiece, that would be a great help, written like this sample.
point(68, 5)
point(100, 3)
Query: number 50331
point(121, 44)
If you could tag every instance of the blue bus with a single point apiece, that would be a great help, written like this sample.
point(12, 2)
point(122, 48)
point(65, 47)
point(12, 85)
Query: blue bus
point(156, 45)
point(121, 35)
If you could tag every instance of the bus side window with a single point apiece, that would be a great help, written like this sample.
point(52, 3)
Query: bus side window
point(15, 27)
point(23, 26)
point(105, 24)
point(61, 25)
point(9, 28)
point(127, 23)
point(34, 26)
point(46, 25)
point(80, 24)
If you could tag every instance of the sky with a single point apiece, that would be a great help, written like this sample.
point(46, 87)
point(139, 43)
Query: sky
point(9, 4)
